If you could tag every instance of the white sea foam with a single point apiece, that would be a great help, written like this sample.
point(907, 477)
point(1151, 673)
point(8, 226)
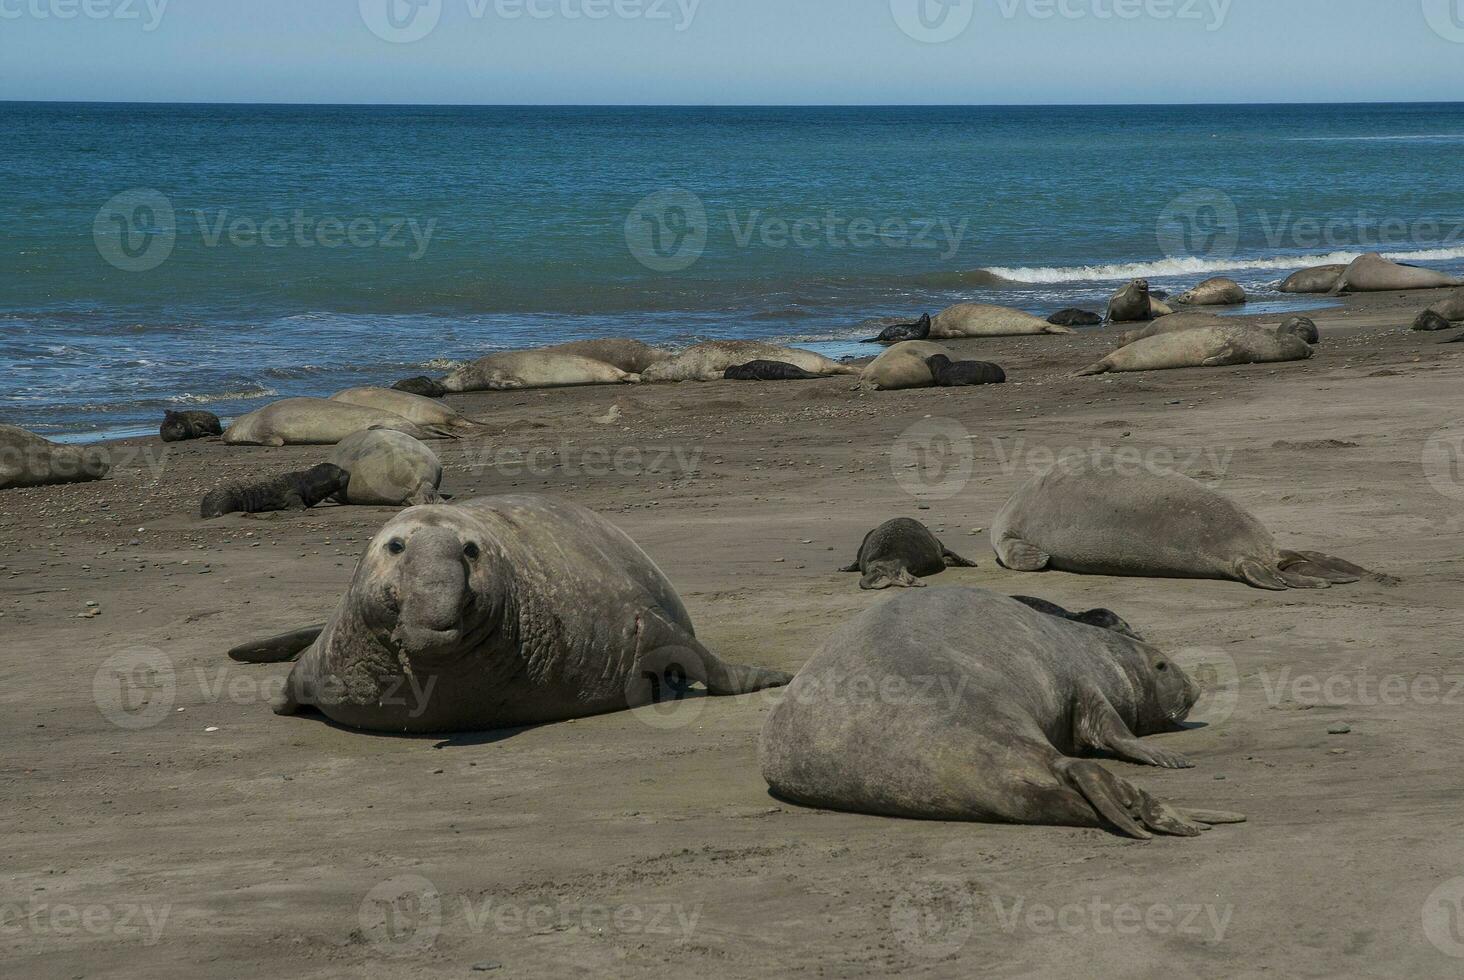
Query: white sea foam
point(223, 396)
point(1191, 266)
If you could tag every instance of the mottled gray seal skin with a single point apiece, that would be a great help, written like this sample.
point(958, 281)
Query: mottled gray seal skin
point(1102, 618)
point(418, 409)
point(959, 704)
point(1218, 291)
point(288, 491)
point(388, 469)
point(320, 422)
point(899, 553)
point(1318, 279)
point(1429, 321)
point(1085, 517)
point(500, 612)
point(901, 332)
point(1451, 308)
point(630, 356)
point(184, 426)
point(27, 460)
point(424, 386)
point(1304, 327)
point(983, 320)
point(709, 361)
point(768, 371)
point(960, 374)
point(1374, 274)
point(1218, 346)
point(1075, 318)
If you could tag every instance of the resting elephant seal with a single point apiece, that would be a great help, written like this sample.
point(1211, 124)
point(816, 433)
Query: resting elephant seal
point(184, 426)
point(424, 386)
point(980, 320)
point(1075, 318)
point(27, 460)
point(1204, 347)
point(1318, 279)
point(898, 553)
point(1174, 323)
point(1133, 304)
point(414, 408)
point(960, 374)
point(1451, 308)
point(1218, 291)
point(388, 469)
point(1428, 320)
point(319, 422)
point(1304, 327)
point(1374, 274)
point(1087, 518)
point(288, 491)
point(517, 370)
point(630, 356)
point(901, 332)
point(768, 371)
point(710, 361)
point(1023, 696)
point(497, 613)
point(901, 367)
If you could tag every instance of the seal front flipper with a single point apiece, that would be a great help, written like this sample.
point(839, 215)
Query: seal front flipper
point(279, 649)
point(667, 653)
point(1019, 556)
point(1097, 725)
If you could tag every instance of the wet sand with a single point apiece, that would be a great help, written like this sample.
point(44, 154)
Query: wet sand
point(205, 837)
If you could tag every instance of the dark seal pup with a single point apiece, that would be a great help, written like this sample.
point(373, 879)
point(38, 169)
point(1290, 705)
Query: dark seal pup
point(183, 426)
point(768, 371)
point(1428, 320)
point(289, 491)
point(424, 386)
point(898, 553)
point(959, 374)
point(1025, 696)
point(901, 332)
point(1102, 618)
point(500, 612)
point(1075, 318)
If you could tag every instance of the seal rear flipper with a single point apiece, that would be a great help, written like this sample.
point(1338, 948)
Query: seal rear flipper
point(1019, 556)
point(880, 578)
point(279, 649)
point(1338, 571)
point(1259, 576)
point(1102, 367)
point(666, 650)
point(953, 560)
point(1129, 809)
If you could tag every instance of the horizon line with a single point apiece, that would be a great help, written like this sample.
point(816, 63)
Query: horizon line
point(718, 105)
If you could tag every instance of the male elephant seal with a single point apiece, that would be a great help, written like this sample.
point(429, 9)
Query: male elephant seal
point(27, 460)
point(630, 356)
point(901, 367)
point(414, 408)
point(1075, 318)
point(517, 370)
point(1374, 274)
point(1205, 347)
point(288, 491)
point(901, 332)
point(898, 553)
point(710, 361)
point(1023, 696)
point(980, 320)
point(424, 386)
point(388, 469)
point(768, 371)
point(1134, 303)
point(184, 426)
point(319, 422)
point(960, 374)
point(1219, 291)
point(1090, 519)
point(1318, 279)
point(497, 613)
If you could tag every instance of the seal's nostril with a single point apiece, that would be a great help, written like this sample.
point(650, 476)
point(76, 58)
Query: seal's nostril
point(471, 551)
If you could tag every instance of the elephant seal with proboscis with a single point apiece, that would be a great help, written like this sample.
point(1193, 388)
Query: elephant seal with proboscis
point(630, 356)
point(320, 422)
point(710, 361)
point(901, 367)
point(980, 320)
point(1134, 303)
point(185, 426)
point(27, 460)
point(1374, 274)
point(1219, 291)
point(414, 408)
point(518, 370)
point(1022, 696)
point(1075, 318)
point(1088, 518)
point(768, 371)
point(901, 332)
point(388, 469)
point(1318, 279)
point(288, 491)
point(1218, 346)
point(961, 374)
point(500, 612)
point(899, 553)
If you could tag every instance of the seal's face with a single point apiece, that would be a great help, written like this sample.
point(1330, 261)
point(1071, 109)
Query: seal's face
point(1175, 692)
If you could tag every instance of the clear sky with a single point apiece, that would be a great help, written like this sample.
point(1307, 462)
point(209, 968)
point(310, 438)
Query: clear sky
point(732, 51)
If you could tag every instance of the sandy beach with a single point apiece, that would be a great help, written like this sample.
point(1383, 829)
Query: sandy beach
point(167, 824)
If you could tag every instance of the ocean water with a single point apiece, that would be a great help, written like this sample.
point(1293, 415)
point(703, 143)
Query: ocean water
point(156, 257)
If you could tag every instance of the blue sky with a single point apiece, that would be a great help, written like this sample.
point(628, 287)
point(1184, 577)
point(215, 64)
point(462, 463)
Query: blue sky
point(733, 51)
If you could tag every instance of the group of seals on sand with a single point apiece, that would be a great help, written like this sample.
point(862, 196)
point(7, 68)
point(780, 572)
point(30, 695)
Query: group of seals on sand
point(921, 364)
point(1370, 273)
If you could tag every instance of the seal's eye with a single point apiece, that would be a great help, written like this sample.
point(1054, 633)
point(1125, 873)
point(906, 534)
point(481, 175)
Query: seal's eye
point(396, 546)
point(471, 551)
point(1161, 667)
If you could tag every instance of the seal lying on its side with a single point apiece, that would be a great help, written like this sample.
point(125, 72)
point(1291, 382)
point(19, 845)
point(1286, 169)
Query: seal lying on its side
point(288, 491)
point(183, 426)
point(388, 469)
point(497, 613)
point(1204, 347)
point(319, 422)
point(1075, 318)
point(1029, 693)
point(517, 370)
point(424, 386)
point(630, 356)
point(1133, 304)
point(1374, 274)
point(710, 361)
point(960, 374)
point(27, 460)
point(980, 320)
point(898, 553)
point(1318, 279)
point(768, 371)
point(1302, 326)
point(1087, 518)
point(901, 367)
point(414, 408)
point(900, 332)
point(1218, 291)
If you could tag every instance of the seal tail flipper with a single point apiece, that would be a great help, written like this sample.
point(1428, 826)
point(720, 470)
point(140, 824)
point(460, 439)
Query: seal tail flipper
point(1054, 328)
point(667, 650)
point(953, 560)
point(278, 649)
point(1019, 556)
point(1255, 574)
point(1102, 367)
point(1338, 571)
point(1129, 809)
point(851, 568)
point(885, 578)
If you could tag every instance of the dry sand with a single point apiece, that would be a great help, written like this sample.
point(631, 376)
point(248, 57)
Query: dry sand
point(222, 841)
